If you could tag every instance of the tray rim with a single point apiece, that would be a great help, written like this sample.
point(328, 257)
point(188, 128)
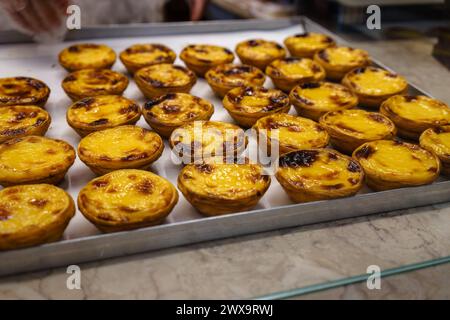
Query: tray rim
point(64, 252)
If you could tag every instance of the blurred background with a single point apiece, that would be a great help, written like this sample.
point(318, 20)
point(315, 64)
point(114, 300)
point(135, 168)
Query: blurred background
point(422, 20)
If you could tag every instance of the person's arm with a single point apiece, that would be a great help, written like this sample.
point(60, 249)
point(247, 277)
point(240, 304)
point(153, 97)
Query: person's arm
point(36, 16)
point(197, 9)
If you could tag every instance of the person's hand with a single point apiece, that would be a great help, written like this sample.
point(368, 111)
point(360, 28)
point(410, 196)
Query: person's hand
point(36, 17)
point(197, 8)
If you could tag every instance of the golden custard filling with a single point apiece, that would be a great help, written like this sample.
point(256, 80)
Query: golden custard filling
point(235, 75)
point(22, 90)
point(175, 109)
point(126, 197)
point(398, 160)
point(228, 181)
point(206, 54)
point(123, 143)
point(17, 120)
point(260, 49)
point(359, 124)
point(320, 169)
point(255, 100)
point(88, 55)
point(293, 132)
point(27, 206)
point(102, 111)
point(295, 68)
point(91, 82)
point(343, 56)
point(324, 96)
point(309, 40)
point(437, 140)
point(419, 109)
point(147, 54)
point(165, 75)
point(34, 156)
point(375, 81)
point(207, 138)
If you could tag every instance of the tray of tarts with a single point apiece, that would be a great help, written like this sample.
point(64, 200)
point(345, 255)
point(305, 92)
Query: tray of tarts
point(92, 147)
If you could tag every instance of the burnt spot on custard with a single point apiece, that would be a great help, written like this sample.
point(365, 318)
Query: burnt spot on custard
point(129, 109)
point(153, 102)
point(310, 85)
point(134, 156)
point(327, 39)
point(84, 103)
point(145, 186)
point(332, 156)
point(391, 75)
point(204, 168)
point(40, 203)
point(376, 117)
point(253, 43)
point(302, 35)
point(100, 183)
point(99, 122)
point(170, 109)
point(227, 51)
point(301, 158)
point(353, 166)
point(289, 60)
point(70, 78)
point(302, 99)
point(365, 152)
point(13, 132)
point(237, 70)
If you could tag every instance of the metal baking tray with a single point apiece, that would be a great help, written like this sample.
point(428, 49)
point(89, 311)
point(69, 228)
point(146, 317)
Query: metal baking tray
point(82, 242)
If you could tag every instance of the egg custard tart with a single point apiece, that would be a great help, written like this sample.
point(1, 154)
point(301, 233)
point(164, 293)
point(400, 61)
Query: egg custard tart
point(33, 214)
point(374, 85)
point(127, 199)
point(291, 132)
point(312, 100)
point(87, 56)
point(248, 104)
point(391, 164)
point(437, 140)
point(102, 112)
point(349, 129)
point(20, 121)
point(337, 61)
point(259, 53)
point(143, 55)
point(90, 83)
point(122, 147)
point(414, 114)
point(23, 91)
point(201, 140)
point(319, 174)
point(221, 188)
point(225, 77)
point(305, 45)
point(289, 72)
point(34, 159)
point(168, 112)
point(157, 80)
point(202, 57)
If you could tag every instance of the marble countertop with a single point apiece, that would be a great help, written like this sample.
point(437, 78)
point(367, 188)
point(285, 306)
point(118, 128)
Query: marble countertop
point(256, 265)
